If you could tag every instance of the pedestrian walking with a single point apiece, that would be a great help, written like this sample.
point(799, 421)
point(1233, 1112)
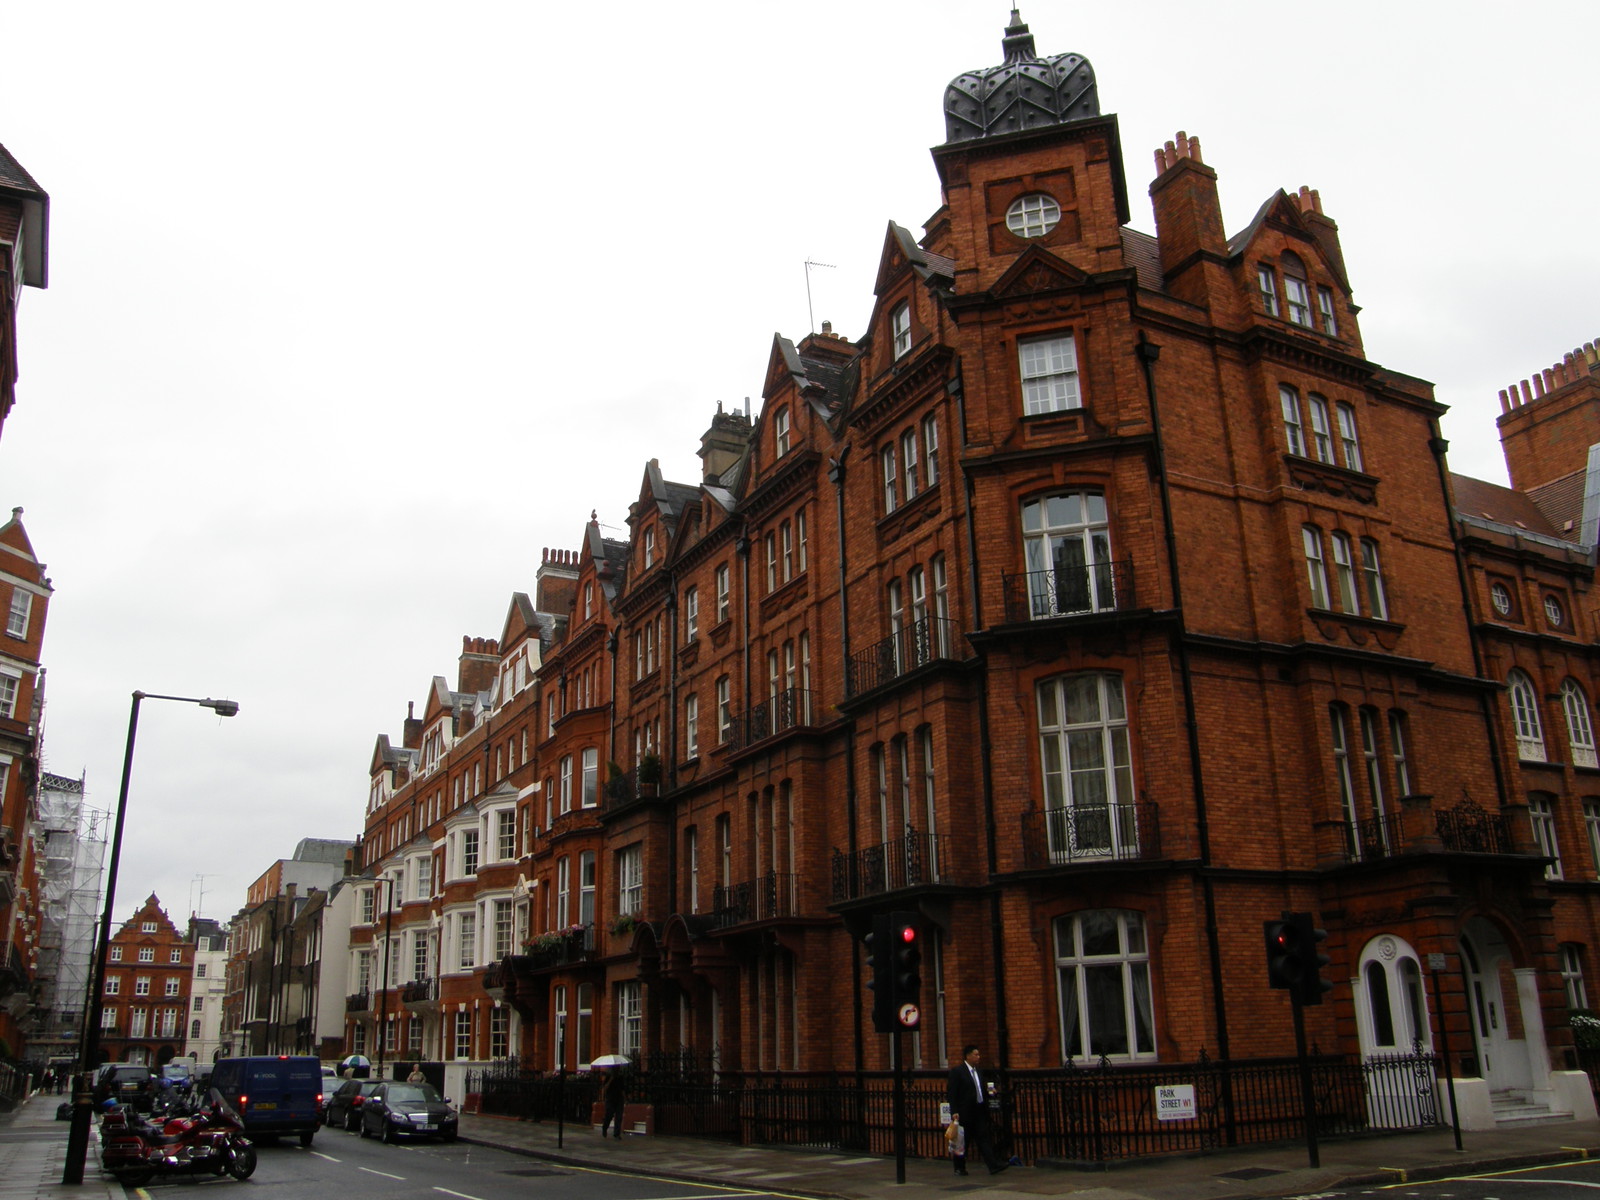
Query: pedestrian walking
point(615, 1088)
point(969, 1105)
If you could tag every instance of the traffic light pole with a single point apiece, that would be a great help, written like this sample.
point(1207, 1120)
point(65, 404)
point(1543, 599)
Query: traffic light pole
point(899, 1109)
point(1308, 1100)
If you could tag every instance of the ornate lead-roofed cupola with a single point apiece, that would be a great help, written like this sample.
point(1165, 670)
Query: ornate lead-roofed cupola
point(1024, 92)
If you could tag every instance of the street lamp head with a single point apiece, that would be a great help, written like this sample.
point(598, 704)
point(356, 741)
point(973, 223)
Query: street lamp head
point(224, 708)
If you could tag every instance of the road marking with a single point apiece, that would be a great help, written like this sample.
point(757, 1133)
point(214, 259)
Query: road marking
point(463, 1195)
point(329, 1157)
point(1503, 1176)
point(1568, 1182)
point(727, 1193)
point(385, 1174)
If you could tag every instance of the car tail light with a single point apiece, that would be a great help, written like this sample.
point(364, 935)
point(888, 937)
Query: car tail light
point(243, 1099)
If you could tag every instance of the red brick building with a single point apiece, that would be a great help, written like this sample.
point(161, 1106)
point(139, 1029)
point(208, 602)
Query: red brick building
point(149, 973)
point(1100, 601)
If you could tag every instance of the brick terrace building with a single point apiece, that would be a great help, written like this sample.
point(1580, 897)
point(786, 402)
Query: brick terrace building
point(1102, 600)
point(149, 970)
point(25, 597)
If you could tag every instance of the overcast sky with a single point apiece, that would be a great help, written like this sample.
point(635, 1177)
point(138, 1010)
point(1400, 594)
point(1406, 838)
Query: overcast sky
point(354, 308)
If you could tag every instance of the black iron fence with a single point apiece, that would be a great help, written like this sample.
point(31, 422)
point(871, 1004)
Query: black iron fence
point(1467, 828)
point(1092, 1114)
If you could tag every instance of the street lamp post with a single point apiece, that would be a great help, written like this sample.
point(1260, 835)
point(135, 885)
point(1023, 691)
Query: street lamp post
point(83, 1100)
point(383, 980)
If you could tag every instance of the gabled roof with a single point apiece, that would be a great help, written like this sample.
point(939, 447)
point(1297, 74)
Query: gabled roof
point(900, 249)
point(18, 184)
point(1142, 252)
point(1281, 207)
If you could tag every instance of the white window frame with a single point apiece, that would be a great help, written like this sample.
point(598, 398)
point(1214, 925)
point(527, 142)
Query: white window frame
point(1267, 286)
point(900, 329)
point(1372, 580)
point(1033, 215)
point(1580, 728)
point(1316, 568)
point(1570, 957)
point(1542, 817)
point(630, 1018)
point(724, 592)
point(1321, 431)
point(1086, 767)
point(1293, 429)
point(20, 612)
point(691, 613)
point(780, 431)
point(1344, 573)
point(1525, 716)
point(887, 474)
point(1048, 369)
point(691, 726)
point(630, 880)
point(1077, 1002)
point(1349, 440)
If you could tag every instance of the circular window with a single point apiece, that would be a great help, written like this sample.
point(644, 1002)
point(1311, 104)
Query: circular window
point(1033, 215)
point(1500, 596)
point(1552, 611)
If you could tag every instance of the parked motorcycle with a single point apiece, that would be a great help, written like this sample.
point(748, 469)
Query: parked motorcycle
point(210, 1141)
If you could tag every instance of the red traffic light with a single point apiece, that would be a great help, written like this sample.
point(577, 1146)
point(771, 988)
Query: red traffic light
point(908, 933)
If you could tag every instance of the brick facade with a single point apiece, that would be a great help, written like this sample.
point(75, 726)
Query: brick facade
point(149, 975)
point(1100, 601)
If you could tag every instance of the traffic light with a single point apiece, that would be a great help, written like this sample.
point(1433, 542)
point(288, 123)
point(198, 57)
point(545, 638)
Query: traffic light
point(880, 968)
point(905, 937)
point(1307, 943)
point(1283, 964)
point(1294, 961)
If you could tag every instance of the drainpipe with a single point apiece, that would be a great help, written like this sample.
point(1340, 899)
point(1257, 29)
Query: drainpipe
point(997, 944)
point(1486, 702)
point(836, 477)
point(1147, 352)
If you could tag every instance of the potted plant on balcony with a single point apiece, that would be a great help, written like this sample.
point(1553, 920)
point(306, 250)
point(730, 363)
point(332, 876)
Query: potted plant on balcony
point(649, 775)
point(624, 925)
point(619, 789)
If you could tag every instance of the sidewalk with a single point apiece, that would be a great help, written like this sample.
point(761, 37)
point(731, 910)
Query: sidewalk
point(33, 1151)
point(1251, 1174)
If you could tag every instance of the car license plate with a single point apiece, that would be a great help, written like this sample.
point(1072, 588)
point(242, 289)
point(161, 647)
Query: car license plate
point(260, 1104)
point(427, 1128)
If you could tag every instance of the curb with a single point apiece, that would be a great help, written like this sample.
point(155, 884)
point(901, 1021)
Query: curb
point(1479, 1166)
point(566, 1160)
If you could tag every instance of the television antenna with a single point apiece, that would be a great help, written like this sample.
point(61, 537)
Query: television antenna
point(811, 316)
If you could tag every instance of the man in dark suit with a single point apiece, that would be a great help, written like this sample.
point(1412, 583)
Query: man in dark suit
point(969, 1106)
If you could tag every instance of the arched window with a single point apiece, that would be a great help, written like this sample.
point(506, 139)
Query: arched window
point(1316, 568)
point(1293, 431)
point(1103, 985)
point(1392, 1006)
point(1580, 731)
point(1525, 716)
point(1321, 433)
point(1066, 542)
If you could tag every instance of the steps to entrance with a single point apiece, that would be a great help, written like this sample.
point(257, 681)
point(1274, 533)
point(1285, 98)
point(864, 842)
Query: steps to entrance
point(1512, 1106)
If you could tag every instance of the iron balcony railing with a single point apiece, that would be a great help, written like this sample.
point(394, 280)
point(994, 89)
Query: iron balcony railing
point(764, 898)
point(1467, 829)
point(912, 646)
point(358, 1002)
point(562, 947)
point(911, 860)
point(785, 710)
point(1073, 591)
point(1383, 836)
point(420, 991)
point(1092, 833)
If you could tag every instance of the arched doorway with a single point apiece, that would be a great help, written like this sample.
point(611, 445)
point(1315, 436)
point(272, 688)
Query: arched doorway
point(1496, 1030)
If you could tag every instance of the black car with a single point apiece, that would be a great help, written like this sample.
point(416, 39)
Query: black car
point(344, 1106)
point(126, 1083)
point(397, 1110)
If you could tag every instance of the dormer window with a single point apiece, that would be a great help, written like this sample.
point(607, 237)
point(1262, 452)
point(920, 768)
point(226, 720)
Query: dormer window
point(649, 547)
point(1297, 292)
point(780, 431)
point(1267, 284)
point(588, 600)
point(1330, 324)
point(900, 327)
point(1033, 215)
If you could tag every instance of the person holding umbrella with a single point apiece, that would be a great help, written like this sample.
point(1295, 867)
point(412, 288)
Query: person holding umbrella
point(614, 1091)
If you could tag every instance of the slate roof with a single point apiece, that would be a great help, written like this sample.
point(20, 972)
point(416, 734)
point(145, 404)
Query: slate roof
point(1142, 252)
point(1561, 501)
point(1479, 500)
point(14, 178)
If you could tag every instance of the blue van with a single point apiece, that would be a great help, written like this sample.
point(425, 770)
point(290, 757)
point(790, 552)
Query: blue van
point(273, 1094)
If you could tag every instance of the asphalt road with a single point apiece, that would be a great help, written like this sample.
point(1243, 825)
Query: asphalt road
point(343, 1166)
point(1576, 1180)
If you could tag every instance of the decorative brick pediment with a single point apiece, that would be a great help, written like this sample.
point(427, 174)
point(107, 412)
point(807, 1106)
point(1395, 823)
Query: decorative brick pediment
point(1037, 271)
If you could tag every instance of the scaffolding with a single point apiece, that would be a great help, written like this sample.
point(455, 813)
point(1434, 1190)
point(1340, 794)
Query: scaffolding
point(74, 837)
